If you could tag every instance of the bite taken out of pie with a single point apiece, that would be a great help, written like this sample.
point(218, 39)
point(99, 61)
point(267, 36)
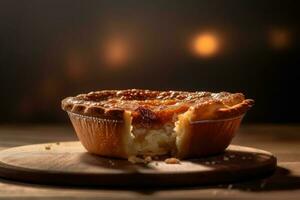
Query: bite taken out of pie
point(134, 122)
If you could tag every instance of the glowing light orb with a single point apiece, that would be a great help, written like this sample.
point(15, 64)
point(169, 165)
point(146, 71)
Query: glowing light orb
point(206, 45)
point(116, 53)
point(279, 38)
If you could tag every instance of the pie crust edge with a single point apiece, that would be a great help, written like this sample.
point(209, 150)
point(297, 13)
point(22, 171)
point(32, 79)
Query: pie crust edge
point(215, 121)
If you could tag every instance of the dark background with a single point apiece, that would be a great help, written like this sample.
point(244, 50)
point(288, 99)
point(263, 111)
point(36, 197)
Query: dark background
point(52, 49)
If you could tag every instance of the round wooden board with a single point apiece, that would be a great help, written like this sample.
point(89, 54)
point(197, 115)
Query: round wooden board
point(68, 163)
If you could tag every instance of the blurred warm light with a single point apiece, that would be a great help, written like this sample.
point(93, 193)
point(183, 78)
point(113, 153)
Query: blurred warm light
point(116, 53)
point(279, 38)
point(206, 45)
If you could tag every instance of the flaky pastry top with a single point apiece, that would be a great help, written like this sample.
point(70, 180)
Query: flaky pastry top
point(157, 107)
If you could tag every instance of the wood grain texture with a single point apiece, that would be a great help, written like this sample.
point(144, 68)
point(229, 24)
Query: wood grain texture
point(68, 163)
point(282, 140)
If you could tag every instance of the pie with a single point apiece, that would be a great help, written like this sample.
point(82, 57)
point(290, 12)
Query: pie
point(134, 122)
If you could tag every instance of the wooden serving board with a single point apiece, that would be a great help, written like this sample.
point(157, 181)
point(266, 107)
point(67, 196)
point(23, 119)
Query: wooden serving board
point(68, 163)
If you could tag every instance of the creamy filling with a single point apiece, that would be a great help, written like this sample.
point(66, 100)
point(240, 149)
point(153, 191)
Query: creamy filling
point(154, 141)
point(151, 141)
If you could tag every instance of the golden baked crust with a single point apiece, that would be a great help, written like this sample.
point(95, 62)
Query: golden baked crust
point(110, 138)
point(126, 123)
point(157, 107)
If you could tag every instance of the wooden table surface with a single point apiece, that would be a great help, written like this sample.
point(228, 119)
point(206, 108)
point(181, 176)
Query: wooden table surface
point(282, 140)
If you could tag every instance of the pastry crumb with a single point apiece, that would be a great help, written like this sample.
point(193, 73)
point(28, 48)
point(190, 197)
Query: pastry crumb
point(210, 163)
point(111, 163)
point(147, 159)
point(134, 160)
point(57, 143)
point(47, 147)
point(172, 161)
point(225, 158)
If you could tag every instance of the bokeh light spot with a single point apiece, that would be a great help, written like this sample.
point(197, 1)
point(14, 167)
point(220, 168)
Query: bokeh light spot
point(279, 38)
point(206, 45)
point(116, 53)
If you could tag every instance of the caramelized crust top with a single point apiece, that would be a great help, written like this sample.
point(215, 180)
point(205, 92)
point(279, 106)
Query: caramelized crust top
point(156, 107)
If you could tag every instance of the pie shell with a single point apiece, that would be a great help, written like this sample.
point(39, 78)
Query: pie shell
point(104, 131)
